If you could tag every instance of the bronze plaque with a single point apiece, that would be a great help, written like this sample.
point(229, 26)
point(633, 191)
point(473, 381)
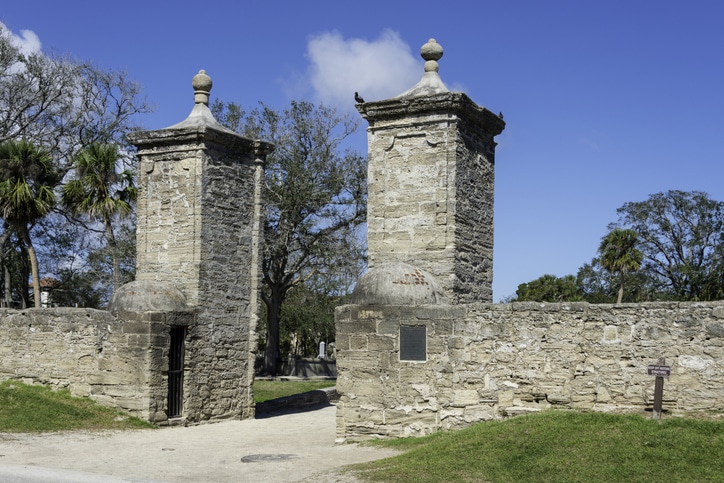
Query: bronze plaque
point(413, 343)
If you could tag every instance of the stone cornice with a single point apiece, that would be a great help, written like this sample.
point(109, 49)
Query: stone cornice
point(406, 108)
point(183, 136)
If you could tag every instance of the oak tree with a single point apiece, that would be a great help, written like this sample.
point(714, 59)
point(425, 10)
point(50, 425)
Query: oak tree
point(315, 201)
point(681, 236)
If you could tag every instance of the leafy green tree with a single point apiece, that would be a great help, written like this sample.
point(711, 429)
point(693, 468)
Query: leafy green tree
point(681, 236)
point(27, 181)
point(599, 286)
point(315, 200)
point(595, 283)
point(619, 255)
point(75, 289)
point(61, 104)
point(550, 288)
point(102, 193)
point(307, 319)
point(65, 106)
point(100, 260)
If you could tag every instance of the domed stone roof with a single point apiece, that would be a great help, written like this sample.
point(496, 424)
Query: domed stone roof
point(397, 283)
point(147, 296)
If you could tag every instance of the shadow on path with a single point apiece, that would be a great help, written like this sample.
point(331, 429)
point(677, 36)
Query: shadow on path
point(297, 403)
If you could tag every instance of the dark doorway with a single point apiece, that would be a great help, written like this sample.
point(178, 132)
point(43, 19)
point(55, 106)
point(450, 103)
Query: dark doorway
point(176, 372)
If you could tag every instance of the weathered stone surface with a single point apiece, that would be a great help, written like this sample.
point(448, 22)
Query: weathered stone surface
point(544, 355)
point(396, 283)
point(198, 225)
point(430, 204)
point(90, 352)
point(147, 296)
point(430, 188)
point(198, 242)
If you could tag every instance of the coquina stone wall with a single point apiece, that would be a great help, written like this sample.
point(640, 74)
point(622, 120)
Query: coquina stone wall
point(119, 362)
point(199, 231)
point(195, 301)
point(489, 361)
point(430, 183)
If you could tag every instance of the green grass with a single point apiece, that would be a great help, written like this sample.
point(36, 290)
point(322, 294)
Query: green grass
point(36, 408)
point(265, 390)
point(25, 408)
point(560, 446)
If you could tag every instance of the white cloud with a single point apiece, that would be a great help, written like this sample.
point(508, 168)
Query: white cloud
point(377, 69)
point(27, 41)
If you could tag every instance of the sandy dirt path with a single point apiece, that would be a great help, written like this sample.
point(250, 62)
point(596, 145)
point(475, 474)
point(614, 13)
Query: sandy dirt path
point(286, 448)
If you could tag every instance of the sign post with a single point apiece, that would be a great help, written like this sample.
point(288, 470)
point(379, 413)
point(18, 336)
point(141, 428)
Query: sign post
point(660, 370)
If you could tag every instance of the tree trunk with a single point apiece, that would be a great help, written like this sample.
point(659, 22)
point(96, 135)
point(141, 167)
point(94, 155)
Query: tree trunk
point(7, 298)
point(33, 264)
point(620, 287)
point(8, 295)
point(273, 317)
point(111, 240)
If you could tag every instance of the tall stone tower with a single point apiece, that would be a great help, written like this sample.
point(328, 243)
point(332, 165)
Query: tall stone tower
point(198, 231)
point(430, 183)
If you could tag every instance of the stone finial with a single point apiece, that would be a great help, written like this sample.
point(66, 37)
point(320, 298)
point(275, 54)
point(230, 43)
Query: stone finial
point(431, 52)
point(202, 86)
point(430, 84)
point(201, 115)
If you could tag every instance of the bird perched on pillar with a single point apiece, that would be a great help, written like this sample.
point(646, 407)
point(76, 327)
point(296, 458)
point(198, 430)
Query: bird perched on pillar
point(358, 98)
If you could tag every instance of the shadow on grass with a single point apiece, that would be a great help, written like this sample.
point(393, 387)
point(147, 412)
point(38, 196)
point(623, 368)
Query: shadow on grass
point(297, 403)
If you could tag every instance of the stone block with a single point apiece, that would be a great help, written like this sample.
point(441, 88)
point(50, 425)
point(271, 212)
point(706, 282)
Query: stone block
point(359, 326)
point(465, 397)
point(341, 343)
point(409, 416)
point(381, 343)
point(358, 342)
point(389, 327)
point(481, 412)
point(456, 342)
point(717, 329)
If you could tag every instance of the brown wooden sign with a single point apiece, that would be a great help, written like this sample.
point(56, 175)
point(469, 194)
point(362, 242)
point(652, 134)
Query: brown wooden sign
point(657, 370)
point(660, 370)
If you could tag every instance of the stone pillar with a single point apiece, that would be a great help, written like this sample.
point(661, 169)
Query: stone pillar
point(198, 230)
point(430, 183)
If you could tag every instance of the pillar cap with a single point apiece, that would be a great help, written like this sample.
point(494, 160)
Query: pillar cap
point(201, 115)
point(199, 127)
point(431, 83)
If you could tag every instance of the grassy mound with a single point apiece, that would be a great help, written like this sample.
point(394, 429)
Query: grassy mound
point(25, 408)
point(558, 446)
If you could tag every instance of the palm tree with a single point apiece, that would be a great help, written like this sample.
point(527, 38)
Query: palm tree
point(27, 180)
point(102, 193)
point(620, 255)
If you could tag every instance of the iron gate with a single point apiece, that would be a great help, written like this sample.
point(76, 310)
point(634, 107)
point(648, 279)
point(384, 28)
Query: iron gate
point(176, 372)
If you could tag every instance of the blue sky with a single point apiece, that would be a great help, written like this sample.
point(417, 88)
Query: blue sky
point(605, 102)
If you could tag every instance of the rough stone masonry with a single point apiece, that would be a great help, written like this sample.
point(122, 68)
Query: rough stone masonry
point(198, 230)
point(430, 183)
point(421, 348)
point(176, 345)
